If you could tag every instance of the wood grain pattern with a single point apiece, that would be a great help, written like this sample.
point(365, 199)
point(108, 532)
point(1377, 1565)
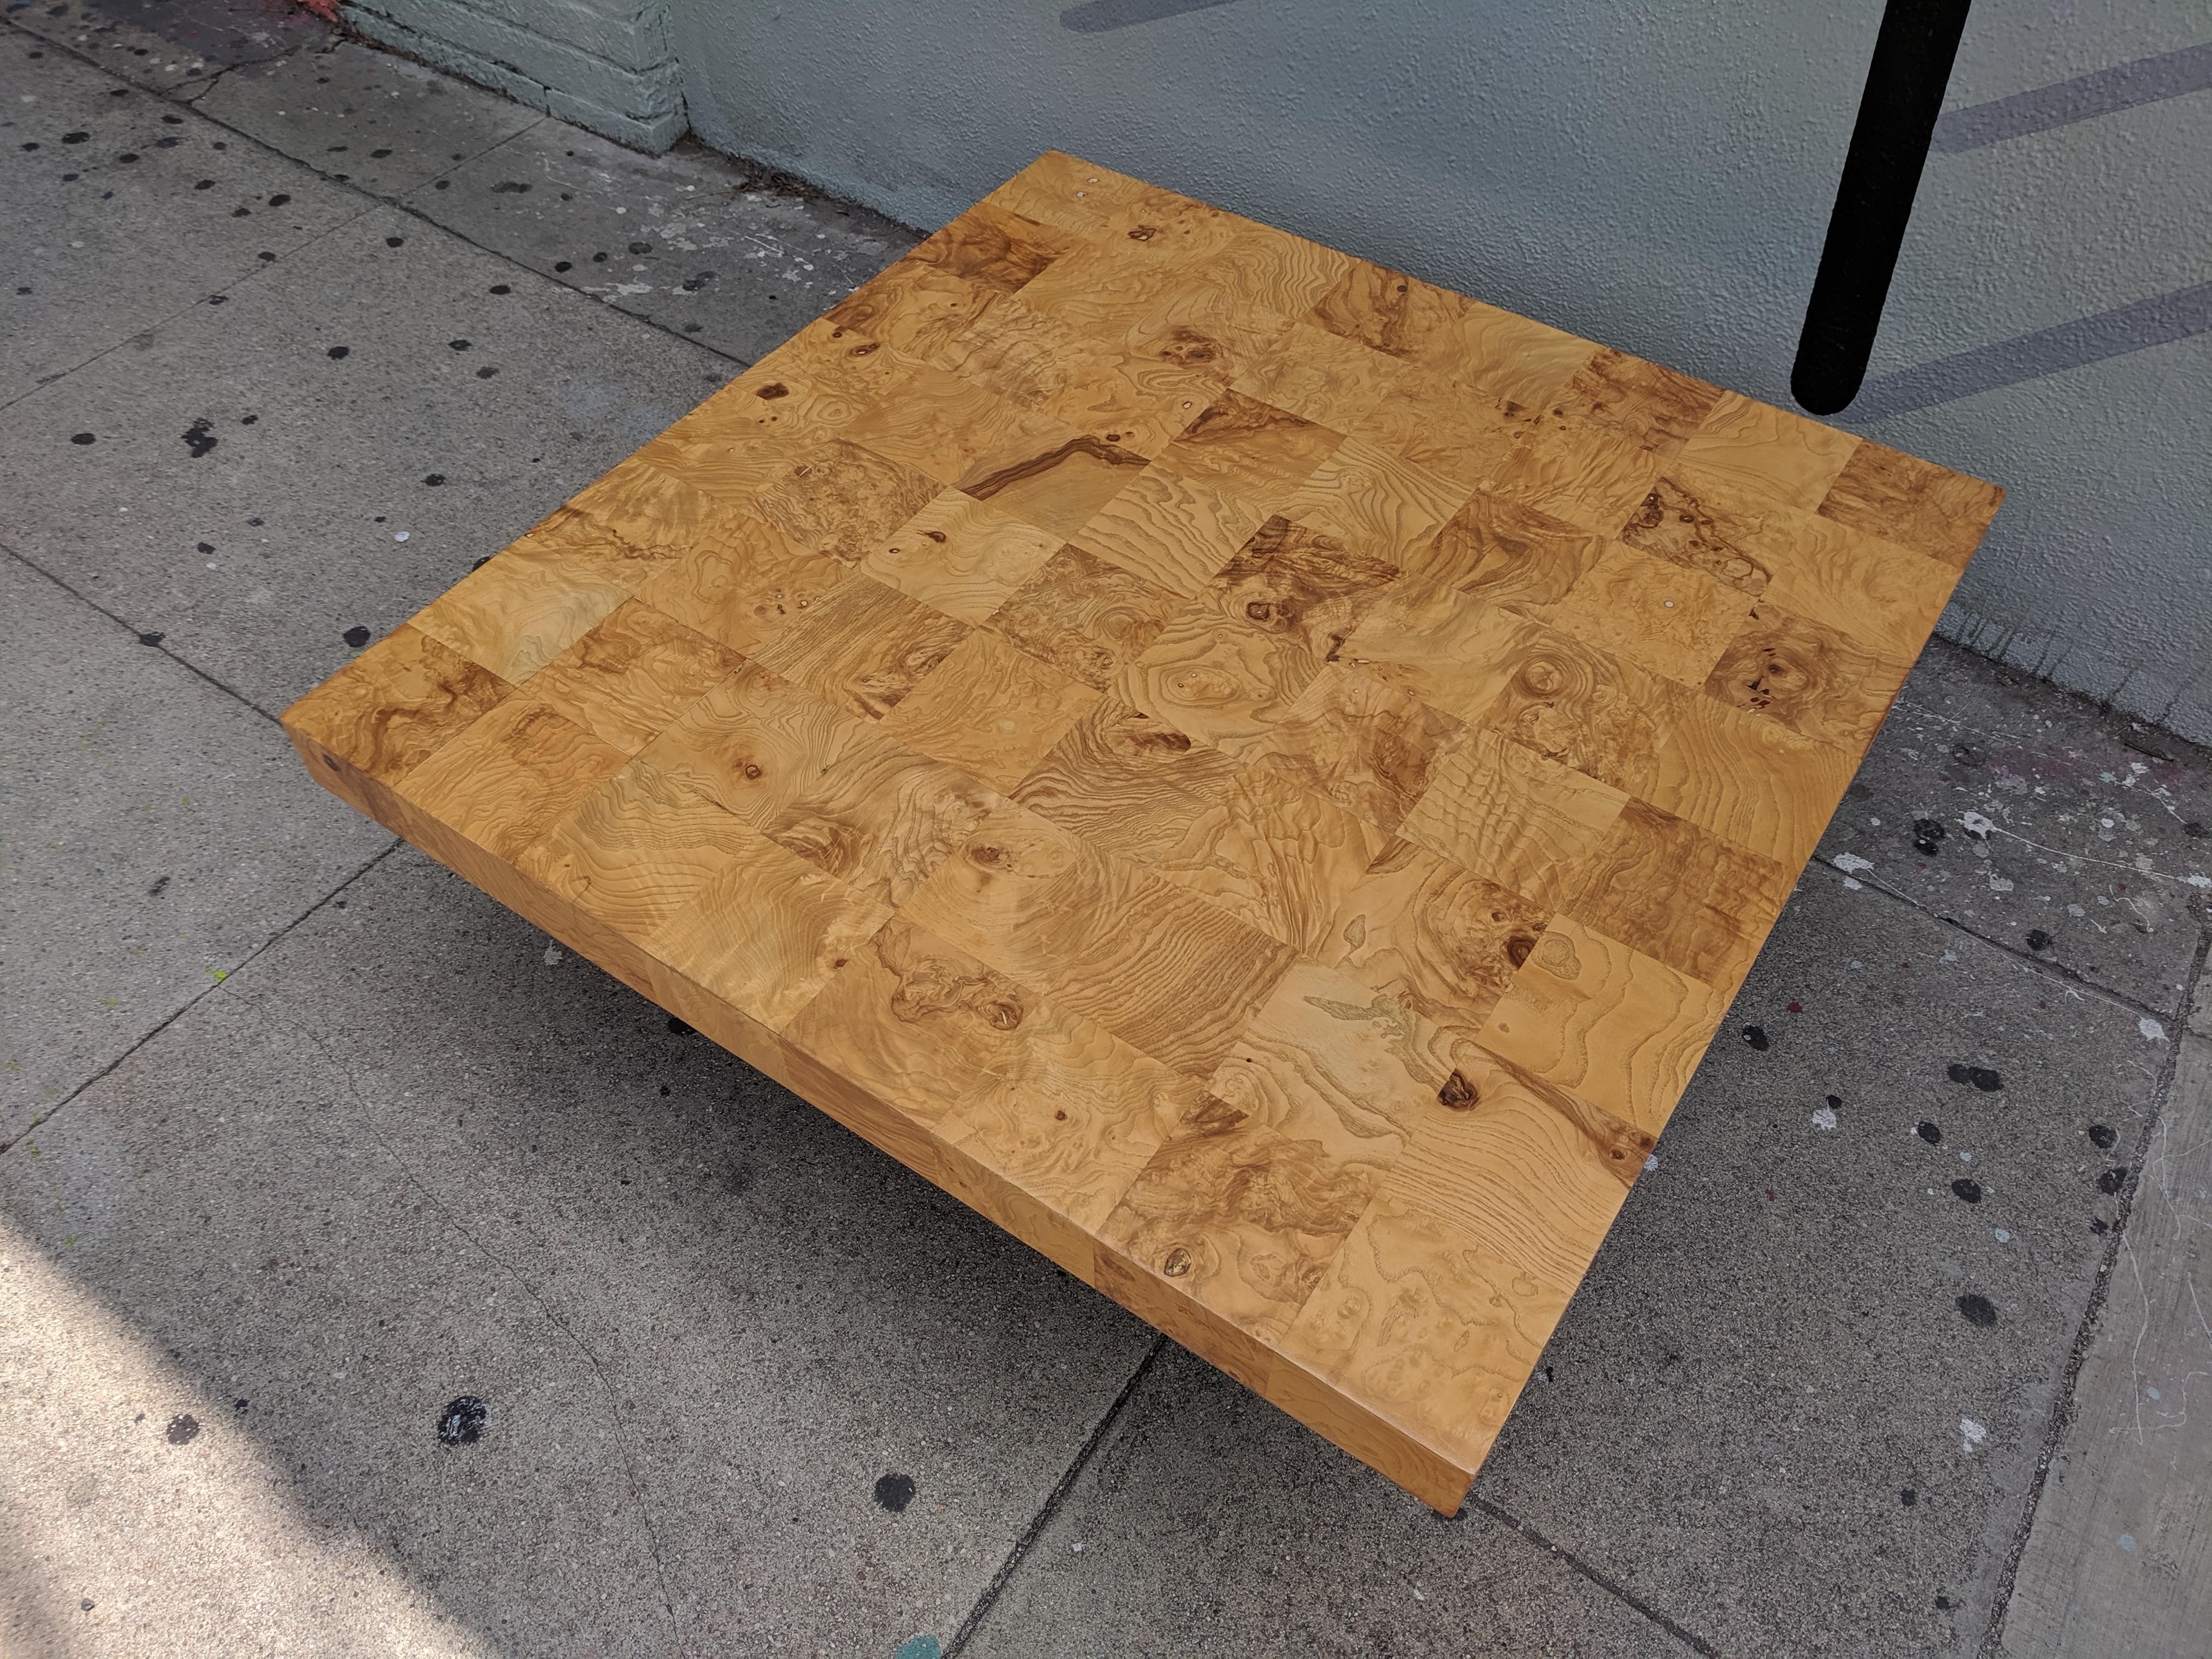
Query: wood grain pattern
point(1512, 816)
point(863, 646)
point(1675, 622)
point(1620, 1029)
point(1888, 492)
point(1126, 780)
point(1257, 773)
point(989, 708)
point(508, 777)
point(1085, 616)
point(632, 675)
point(961, 556)
point(1248, 447)
point(1813, 678)
point(1172, 531)
point(398, 703)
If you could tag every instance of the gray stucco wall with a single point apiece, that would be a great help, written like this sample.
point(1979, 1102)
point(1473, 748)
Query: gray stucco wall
point(1658, 177)
point(605, 65)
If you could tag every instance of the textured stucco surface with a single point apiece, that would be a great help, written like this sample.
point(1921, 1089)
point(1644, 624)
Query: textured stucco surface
point(1656, 177)
point(604, 64)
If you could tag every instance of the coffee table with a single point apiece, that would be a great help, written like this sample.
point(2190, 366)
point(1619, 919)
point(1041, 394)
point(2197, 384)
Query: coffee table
point(1259, 774)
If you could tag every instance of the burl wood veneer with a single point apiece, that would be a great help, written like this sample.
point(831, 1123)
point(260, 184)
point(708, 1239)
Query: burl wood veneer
point(1259, 774)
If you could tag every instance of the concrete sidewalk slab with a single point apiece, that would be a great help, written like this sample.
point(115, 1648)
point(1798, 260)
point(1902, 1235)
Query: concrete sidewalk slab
point(730, 256)
point(124, 211)
point(363, 117)
point(336, 393)
point(1210, 1523)
point(148, 1521)
point(738, 1363)
point(154, 834)
point(700, 243)
point(2068, 834)
point(169, 46)
point(2120, 1555)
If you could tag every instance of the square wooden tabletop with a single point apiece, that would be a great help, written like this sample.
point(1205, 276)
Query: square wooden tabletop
point(1259, 774)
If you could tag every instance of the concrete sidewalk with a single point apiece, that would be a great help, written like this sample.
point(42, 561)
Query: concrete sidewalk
point(299, 1145)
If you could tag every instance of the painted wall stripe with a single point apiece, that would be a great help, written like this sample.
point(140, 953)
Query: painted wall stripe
point(2104, 91)
point(2156, 321)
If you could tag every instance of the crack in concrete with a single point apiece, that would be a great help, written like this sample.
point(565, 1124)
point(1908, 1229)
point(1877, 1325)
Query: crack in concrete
point(197, 997)
point(2062, 1406)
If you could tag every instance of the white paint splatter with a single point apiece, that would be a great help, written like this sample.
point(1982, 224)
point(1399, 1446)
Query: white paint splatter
point(399, 535)
point(1975, 824)
point(1970, 1434)
point(1825, 1118)
point(2152, 1031)
point(553, 956)
point(2128, 1542)
point(2003, 1237)
point(1854, 886)
point(2198, 881)
point(1651, 1163)
point(1850, 863)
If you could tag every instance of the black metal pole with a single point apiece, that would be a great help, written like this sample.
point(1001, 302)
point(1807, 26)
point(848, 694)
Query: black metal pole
point(1913, 58)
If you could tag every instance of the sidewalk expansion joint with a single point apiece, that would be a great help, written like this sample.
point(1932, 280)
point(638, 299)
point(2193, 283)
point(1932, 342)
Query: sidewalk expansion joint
point(1050, 1507)
point(2073, 979)
point(142, 638)
point(2061, 1423)
point(194, 1001)
point(1604, 1581)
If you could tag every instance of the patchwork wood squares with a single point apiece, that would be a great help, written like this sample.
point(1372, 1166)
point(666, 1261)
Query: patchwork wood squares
point(1259, 774)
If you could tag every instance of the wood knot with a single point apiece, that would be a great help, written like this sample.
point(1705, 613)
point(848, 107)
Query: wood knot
point(986, 853)
point(1059, 1116)
point(1517, 947)
point(1189, 349)
point(773, 389)
point(1177, 1263)
point(1458, 1093)
point(1004, 1016)
point(1143, 232)
point(752, 769)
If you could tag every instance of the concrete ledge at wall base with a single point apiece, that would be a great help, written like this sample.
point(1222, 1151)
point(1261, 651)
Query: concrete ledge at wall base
point(624, 84)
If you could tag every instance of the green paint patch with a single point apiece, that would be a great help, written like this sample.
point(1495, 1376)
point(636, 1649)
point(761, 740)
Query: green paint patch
point(920, 1647)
